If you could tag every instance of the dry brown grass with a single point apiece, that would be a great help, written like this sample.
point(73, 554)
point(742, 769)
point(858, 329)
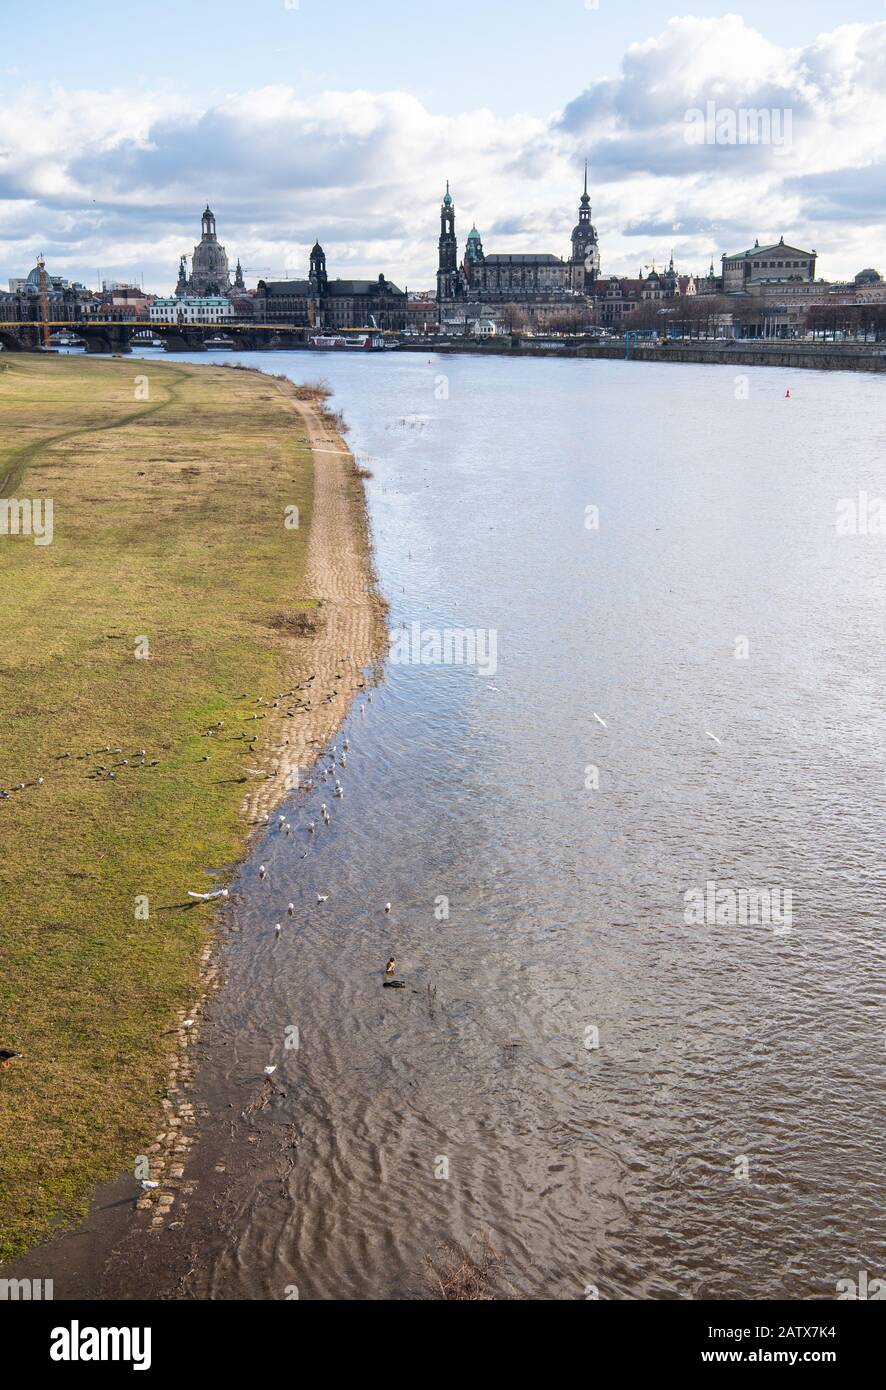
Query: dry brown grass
point(298, 622)
point(464, 1276)
point(312, 391)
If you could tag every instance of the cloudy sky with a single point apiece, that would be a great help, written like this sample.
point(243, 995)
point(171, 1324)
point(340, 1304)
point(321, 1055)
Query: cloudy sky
point(341, 119)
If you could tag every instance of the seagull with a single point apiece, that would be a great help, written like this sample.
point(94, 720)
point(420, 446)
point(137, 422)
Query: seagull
point(322, 897)
point(310, 827)
point(345, 745)
point(387, 908)
point(599, 720)
point(281, 820)
point(269, 1071)
point(205, 897)
point(291, 909)
point(713, 736)
point(277, 929)
point(391, 966)
point(188, 1023)
point(148, 1185)
point(262, 871)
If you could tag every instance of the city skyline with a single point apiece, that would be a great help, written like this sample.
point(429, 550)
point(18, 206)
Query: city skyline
point(107, 183)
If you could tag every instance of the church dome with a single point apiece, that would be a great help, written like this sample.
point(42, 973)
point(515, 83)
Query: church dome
point(34, 277)
point(473, 234)
point(868, 277)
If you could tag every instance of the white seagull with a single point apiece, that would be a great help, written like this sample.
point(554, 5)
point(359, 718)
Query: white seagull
point(387, 908)
point(599, 720)
point(322, 897)
point(278, 929)
point(269, 1071)
point(262, 871)
point(713, 736)
point(205, 897)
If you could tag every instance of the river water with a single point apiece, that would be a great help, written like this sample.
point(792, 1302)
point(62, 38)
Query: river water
point(687, 689)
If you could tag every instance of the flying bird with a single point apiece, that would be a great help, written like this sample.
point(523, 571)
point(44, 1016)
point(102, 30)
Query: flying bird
point(205, 897)
point(599, 720)
point(714, 737)
point(322, 897)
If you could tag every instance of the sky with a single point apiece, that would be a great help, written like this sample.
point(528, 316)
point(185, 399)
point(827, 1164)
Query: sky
point(299, 119)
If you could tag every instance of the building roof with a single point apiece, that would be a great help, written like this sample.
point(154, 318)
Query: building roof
point(298, 287)
point(776, 247)
point(530, 259)
point(358, 287)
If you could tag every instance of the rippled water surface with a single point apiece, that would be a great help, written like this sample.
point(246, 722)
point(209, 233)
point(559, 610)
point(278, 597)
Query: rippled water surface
point(612, 1165)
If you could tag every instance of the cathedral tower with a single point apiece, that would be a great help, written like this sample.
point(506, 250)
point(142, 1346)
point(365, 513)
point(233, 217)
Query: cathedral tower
point(585, 257)
point(447, 273)
point(317, 276)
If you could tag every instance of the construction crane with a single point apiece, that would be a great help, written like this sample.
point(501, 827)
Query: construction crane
point(44, 298)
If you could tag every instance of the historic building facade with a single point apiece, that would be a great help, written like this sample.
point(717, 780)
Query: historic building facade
point(210, 274)
point(319, 302)
point(531, 279)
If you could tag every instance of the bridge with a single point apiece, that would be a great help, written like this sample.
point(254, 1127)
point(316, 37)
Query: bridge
point(110, 336)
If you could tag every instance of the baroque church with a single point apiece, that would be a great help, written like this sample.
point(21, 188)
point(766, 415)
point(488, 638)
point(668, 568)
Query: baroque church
point(530, 279)
point(210, 274)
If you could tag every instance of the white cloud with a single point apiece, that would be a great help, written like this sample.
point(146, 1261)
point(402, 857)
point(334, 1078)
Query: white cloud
point(117, 179)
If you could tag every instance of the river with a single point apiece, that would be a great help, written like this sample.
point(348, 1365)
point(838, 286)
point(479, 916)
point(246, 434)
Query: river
point(681, 685)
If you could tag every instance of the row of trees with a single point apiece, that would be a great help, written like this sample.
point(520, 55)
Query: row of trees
point(706, 316)
point(863, 321)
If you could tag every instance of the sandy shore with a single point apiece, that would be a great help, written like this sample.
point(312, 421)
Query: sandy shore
point(340, 579)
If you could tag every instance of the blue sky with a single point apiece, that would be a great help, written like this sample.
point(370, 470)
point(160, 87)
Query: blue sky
point(342, 120)
point(520, 55)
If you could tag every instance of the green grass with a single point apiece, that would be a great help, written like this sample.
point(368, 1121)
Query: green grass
point(168, 524)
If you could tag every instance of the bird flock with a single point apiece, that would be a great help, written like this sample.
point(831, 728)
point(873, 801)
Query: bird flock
point(330, 765)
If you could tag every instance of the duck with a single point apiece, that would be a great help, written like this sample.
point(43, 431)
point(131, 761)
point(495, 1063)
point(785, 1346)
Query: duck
point(391, 966)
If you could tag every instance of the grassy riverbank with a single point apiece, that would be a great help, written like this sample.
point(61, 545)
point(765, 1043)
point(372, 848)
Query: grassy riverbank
point(168, 525)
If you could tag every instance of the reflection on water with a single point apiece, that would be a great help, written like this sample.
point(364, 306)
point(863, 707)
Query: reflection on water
point(561, 806)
